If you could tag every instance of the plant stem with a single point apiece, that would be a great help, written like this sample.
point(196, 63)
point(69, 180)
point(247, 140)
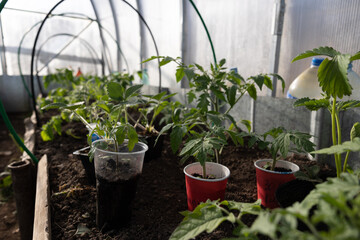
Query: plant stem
point(216, 155)
point(333, 130)
point(228, 110)
point(273, 164)
point(83, 120)
point(345, 162)
point(204, 170)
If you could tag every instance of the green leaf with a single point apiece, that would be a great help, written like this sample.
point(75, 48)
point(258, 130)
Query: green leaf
point(152, 58)
point(279, 78)
point(159, 95)
point(215, 119)
point(218, 93)
point(132, 90)
point(245, 208)
point(356, 56)
point(132, 136)
point(203, 102)
point(106, 107)
point(205, 217)
point(355, 131)
point(353, 146)
point(165, 61)
point(120, 134)
point(312, 104)
point(47, 133)
point(191, 96)
point(332, 76)
point(247, 124)
point(265, 224)
point(176, 137)
point(222, 62)
point(252, 91)
point(346, 105)
point(327, 51)
point(115, 91)
point(54, 106)
point(56, 124)
point(179, 74)
point(190, 146)
point(190, 74)
point(199, 67)
point(231, 95)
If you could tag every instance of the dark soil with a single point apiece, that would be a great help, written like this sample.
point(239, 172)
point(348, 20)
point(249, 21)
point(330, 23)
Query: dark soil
point(160, 196)
point(9, 152)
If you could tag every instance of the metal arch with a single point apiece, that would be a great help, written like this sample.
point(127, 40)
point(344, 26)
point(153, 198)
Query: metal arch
point(32, 62)
point(84, 42)
point(117, 32)
point(152, 36)
point(101, 37)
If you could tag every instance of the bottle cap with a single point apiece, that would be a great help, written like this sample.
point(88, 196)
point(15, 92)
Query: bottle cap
point(316, 61)
point(350, 66)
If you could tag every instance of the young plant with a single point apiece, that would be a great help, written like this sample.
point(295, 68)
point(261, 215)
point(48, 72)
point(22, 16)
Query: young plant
point(153, 107)
point(88, 89)
point(349, 146)
point(113, 121)
point(332, 77)
point(285, 141)
point(202, 126)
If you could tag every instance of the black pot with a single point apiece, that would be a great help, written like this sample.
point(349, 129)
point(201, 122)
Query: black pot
point(154, 151)
point(82, 155)
point(294, 191)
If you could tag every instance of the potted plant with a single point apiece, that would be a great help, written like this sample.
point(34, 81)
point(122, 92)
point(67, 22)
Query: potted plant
point(202, 126)
point(333, 80)
point(149, 121)
point(118, 156)
point(271, 173)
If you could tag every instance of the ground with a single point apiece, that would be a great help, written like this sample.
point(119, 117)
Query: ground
point(160, 196)
point(9, 152)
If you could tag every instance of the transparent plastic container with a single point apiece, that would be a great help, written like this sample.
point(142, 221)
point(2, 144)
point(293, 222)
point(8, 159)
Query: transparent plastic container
point(307, 84)
point(354, 80)
point(117, 173)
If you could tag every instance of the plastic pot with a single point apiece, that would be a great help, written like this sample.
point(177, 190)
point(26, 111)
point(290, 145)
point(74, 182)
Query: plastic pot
point(82, 155)
point(293, 191)
point(154, 151)
point(199, 190)
point(117, 173)
point(268, 181)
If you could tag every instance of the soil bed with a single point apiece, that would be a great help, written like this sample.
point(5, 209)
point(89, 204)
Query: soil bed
point(160, 196)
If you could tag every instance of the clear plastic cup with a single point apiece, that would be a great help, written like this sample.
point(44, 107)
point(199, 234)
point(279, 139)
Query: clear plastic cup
point(117, 172)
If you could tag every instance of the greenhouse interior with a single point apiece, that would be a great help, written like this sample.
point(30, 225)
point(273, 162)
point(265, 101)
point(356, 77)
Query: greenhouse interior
point(179, 119)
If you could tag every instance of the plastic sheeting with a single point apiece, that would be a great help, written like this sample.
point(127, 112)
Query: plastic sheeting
point(241, 32)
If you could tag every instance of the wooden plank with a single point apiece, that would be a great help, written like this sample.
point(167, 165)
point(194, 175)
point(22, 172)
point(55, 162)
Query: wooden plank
point(29, 136)
point(42, 219)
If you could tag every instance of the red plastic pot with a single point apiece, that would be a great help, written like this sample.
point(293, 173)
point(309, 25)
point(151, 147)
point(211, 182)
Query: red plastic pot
point(268, 181)
point(199, 190)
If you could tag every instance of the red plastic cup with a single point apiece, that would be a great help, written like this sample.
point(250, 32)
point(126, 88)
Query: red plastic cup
point(268, 181)
point(199, 190)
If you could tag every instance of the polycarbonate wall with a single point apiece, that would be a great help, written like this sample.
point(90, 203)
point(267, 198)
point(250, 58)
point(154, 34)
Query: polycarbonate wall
point(101, 36)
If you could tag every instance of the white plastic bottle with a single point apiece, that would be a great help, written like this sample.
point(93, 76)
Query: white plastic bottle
point(306, 84)
point(354, 80)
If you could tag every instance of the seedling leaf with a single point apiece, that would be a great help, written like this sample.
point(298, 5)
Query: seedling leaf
point(205, 217)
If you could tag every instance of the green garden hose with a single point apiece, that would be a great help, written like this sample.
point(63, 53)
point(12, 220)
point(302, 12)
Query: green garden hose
point(207, 32)
point(13, 133)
